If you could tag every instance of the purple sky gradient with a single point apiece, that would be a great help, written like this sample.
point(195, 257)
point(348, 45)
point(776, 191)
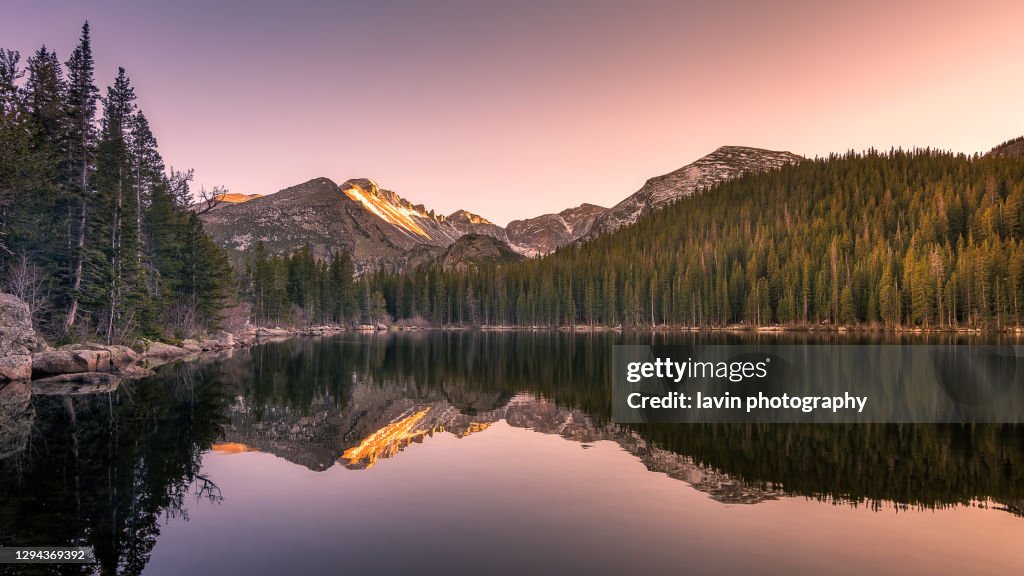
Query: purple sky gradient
point(515, 108)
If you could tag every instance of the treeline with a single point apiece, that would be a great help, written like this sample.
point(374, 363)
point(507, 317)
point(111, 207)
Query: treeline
point(94, 233)
point(898, 239)
point(300, 289)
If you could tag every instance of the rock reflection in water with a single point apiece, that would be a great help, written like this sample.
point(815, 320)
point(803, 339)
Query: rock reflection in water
point(113, 467)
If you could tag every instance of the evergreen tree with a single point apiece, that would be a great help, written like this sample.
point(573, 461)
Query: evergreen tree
point(118, 273)
point(41, 232)
point(15, 148)
point(94, 213)
point(80, 143)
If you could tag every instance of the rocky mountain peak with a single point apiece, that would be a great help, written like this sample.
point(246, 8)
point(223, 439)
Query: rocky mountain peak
point(543, 234)
point(747, 158)
point(381, 229)
point(364, 185)
point(465, 217)
point(378, 227)
point(725, 163)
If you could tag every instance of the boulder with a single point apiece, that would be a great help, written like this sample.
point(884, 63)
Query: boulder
point(119, 356)
point(245, 338)
point(226, 339)
point(326, 330)
point(122, 357)
point(16, 333)
point(161, 350)
point(70, 362)
point(191, 346)
point(273, 333)
point(15, 367)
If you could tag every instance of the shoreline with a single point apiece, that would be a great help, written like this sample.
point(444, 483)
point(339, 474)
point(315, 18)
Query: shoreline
point(89, 367)
point(736, 329)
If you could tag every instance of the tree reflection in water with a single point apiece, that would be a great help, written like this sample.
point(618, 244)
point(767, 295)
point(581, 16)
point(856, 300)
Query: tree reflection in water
point(105, 470)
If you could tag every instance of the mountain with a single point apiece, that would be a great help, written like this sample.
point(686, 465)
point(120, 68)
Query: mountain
point(472, 250)
point(379, 228)
point(1011, 148)
point(469, 223)
point(383, 230)
point(723, 164)
point(543, 234)
point(224, 200)
point(897, 240)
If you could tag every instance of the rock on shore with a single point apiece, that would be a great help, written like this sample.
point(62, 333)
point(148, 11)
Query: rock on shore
point(18, 340)
point(17, 337)
point(24, 355)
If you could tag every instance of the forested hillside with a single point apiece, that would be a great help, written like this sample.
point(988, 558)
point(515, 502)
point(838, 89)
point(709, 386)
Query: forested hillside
point(898, 239)
point(299, 288)
point(94, 231)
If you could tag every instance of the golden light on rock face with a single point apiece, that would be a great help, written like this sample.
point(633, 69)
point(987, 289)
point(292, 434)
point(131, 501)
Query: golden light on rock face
point(475, 427)
point(396, 215)
point(235, 198)
point(232, 448)
point(387, 441)
point(396, 436)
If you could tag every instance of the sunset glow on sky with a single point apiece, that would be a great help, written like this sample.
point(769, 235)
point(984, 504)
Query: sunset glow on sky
point(512, 109)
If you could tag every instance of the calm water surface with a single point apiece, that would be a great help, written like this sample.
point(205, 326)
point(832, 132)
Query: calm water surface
point(486, 452)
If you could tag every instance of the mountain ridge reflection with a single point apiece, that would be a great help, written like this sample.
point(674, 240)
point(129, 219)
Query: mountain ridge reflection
point(110, 468)
point(554, 383)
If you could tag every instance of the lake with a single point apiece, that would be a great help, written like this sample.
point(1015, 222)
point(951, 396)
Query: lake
point(440, 452)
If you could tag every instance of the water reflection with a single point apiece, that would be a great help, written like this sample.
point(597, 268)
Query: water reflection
point(401, 390)
point(107, 470)
point(101, 470)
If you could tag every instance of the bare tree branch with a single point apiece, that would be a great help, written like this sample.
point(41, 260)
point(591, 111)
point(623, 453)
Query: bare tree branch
point(28, 283)
point(210, 199)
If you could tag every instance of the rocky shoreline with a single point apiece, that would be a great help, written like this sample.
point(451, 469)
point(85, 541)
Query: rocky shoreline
point(26, 357)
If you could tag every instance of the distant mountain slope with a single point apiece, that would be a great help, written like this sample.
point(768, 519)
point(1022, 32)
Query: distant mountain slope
point(233, 198)
point(223, 201)
point(545, 233)
point(383, 230)
point(473, 250)
point(1011, 148)
point(379, 228)
point(469, 223)
point(723, 164)
point(899, 240)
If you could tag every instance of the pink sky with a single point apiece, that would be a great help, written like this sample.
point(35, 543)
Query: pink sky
point(513, 109)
